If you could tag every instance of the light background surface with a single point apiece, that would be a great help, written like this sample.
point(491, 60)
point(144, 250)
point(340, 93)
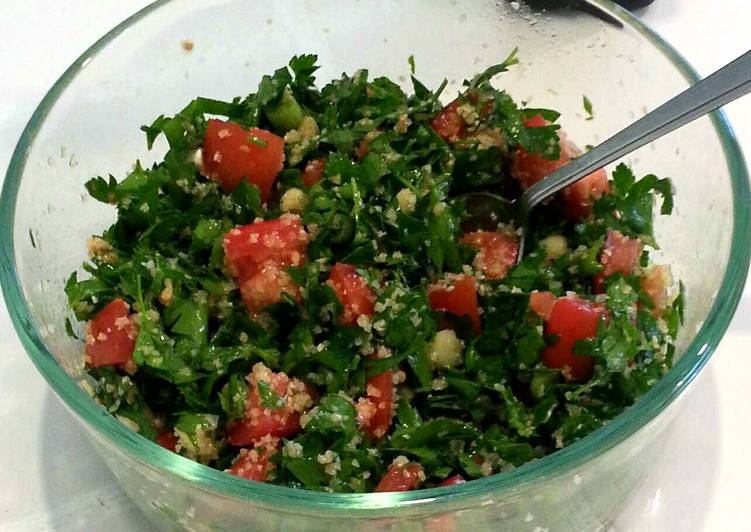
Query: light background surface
point(50, 477)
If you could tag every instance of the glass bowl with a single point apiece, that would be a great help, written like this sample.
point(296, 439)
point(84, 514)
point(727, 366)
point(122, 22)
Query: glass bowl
point(88, 124)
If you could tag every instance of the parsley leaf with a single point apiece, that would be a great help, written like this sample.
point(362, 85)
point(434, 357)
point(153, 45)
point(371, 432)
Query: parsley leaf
point(587, 107)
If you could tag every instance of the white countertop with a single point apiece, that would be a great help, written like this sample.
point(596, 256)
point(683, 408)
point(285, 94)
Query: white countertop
point(50, 477)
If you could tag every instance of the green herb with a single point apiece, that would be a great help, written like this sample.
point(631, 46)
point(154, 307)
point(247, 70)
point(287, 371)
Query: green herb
point(587, 107)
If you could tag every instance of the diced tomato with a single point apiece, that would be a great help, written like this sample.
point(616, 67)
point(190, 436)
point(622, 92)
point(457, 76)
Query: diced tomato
point(380, 392)
point(449, 124)
point(529, 168)
point(313, 172)
point(168, 440)
point(249, 430)
point(265, 287)
point(456, 479)
point(258, 254)
point(363, 148)
point(282, 241)
point(261, 421)
point(542, 303)
point(497, 252)
point(579, 198)
point(365, 412)
point(231, 154)
point(253, 464)
point(111, 336)
point(401, 478)
point(621, 254)
point(571, 319)
point(655, 282)
point(535, 121)
point(352, 291)
point(458, 297)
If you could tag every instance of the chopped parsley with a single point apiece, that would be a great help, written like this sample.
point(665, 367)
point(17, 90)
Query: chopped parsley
point(587, 107)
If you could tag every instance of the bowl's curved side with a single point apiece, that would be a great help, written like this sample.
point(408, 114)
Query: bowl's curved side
point(128, 446)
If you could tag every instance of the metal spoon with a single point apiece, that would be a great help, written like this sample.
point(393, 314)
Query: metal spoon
point(727, 84)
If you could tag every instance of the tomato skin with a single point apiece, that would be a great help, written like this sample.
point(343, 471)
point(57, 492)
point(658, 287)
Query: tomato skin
point(459, 298)
point(400, 478)
point(259, 421)
point(542, 303)
point(282, 241)
point(449, 125)
point(353, 292)
point(456, 479)
point(380, 392)
point(497, 252)
point(111, 336)
point(529, 168)
point(253, 464)
point(232, 153)
point(168, 440)
point(313, 172)
point(571, 319)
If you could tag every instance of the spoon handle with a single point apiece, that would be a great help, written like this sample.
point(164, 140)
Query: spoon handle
point(730, 82)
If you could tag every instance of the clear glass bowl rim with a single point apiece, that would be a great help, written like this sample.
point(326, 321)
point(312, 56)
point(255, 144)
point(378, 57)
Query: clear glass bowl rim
point(206, 478)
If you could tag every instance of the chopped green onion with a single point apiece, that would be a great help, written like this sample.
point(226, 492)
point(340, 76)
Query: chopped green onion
point(285, 115)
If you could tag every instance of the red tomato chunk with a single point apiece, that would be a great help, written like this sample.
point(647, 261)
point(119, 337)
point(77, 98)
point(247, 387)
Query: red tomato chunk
point(362, 149)
point(449, 124)
point(313, 172)
point(542, 303)
point(111, 336)
point(258, 254)
point(458, 296)
point(253, 464)
point(353, 292)
point(580, 197)
point(375, 413)
point(456, 479)
point(621, 254)
point(529, 168)
point(168, 440)
point(655, 282)
point(231, 154)
point(261, 421)
point(571, 319)
point(283, 242)
point(401, 478)
point(535, 121)
point(265, 287)
point(496, 253)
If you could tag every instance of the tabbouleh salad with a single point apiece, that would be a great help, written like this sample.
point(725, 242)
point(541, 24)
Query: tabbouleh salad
point(293, 294)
